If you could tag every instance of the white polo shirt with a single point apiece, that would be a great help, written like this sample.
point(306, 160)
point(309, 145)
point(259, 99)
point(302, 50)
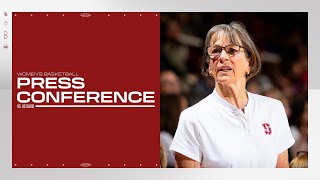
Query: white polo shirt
point(218, 134)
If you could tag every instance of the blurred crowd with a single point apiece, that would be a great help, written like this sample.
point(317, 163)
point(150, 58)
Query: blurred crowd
point(281, 39)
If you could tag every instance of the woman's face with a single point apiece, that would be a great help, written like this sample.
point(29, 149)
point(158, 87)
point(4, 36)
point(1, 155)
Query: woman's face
point(226, 69)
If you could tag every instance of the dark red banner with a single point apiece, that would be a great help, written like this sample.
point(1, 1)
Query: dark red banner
point(85, 90)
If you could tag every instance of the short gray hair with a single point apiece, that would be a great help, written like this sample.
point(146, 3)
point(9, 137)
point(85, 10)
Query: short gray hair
point(237, 35)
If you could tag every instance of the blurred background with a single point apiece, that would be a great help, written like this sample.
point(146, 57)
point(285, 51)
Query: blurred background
point(282, 41)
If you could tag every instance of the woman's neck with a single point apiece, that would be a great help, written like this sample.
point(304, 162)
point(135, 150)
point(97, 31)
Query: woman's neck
point(233, 93)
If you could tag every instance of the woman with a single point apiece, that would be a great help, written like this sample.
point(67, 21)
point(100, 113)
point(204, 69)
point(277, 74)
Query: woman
point(232, 127)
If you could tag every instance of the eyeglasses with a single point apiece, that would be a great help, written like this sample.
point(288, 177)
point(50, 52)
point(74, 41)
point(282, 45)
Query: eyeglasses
point(231, 50)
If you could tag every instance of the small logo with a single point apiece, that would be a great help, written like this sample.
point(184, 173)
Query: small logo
point(5, 14)
point(85, 15)
point(85, 164)
point(5, 46)
point(267, 128)
point(5, 23)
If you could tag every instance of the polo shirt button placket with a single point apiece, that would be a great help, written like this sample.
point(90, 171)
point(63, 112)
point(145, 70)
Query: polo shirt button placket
point(247, 126)
point(245, 122)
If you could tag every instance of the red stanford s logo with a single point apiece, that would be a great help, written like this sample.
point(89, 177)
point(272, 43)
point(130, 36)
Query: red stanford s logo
point(267, 128)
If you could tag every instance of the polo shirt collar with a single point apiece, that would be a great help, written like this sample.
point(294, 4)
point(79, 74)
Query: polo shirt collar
point(226, 105)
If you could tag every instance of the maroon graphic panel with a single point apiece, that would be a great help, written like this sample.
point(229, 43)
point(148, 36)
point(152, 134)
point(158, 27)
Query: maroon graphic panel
point(85, 90)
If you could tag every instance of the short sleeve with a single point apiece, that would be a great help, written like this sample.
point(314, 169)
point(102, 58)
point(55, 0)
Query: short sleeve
point(186, 140)
point(284, 139)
